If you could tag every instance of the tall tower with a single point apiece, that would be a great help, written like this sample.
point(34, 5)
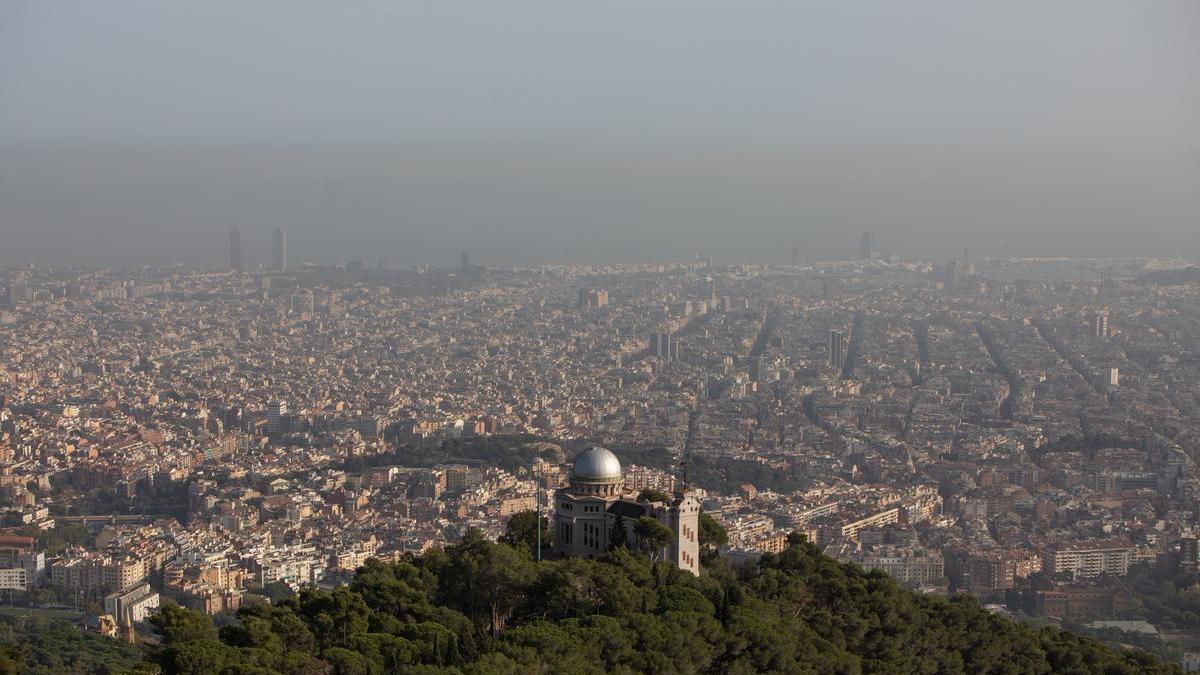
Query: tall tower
point(837, 348)
point(795, 256)
point(465, 261)
point(866, 245)
point(279, 260)
point(235, 249)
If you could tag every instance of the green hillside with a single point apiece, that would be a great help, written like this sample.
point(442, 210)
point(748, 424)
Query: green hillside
point(482, 607)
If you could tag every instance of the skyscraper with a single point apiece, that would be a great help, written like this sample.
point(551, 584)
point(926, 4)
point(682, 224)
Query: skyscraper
point(664, 346)
point(235, 249)
point(593, 298)
point(837, 348)
point(276, 413)
point(952, 275)
point(279, 260)
point(1100, 326)
point(866, 245)
point(465, 262)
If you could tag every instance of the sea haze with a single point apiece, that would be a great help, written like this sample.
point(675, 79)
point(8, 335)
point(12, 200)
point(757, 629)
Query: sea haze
point(531, 203)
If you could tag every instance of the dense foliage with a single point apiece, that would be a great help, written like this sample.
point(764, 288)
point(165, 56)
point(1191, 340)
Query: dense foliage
point(39, 646)
point(509, 452)
point(63, 535)
point(1172, 603)
point(483, 607)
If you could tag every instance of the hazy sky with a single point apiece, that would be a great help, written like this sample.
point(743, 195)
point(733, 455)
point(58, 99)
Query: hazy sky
point(140, 131)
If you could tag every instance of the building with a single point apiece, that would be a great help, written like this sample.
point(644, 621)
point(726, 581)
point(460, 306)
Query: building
point(14, 579)
point(18, 293)
point(593, 298)
point(980, 572)
point(1189, 552)
point(279, 259)
point(276, 417)
point(952, 275)
point(1102, 596)
point(295, 565)
point(235, 249)
point(20, 566)
point(1089, 558)
point(910, 565)
point(866, 245)
point(596, 507)
point(464, 262)
point(1112, 377)
point(664, 346)
point(837, 348)
point(1100, 326)
point(131, 605)
point(886, 517)
point(97, 572)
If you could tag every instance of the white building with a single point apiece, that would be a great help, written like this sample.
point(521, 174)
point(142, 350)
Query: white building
point(1090, 559)
point(131, 605)
point(14, 579)
point(587, 511)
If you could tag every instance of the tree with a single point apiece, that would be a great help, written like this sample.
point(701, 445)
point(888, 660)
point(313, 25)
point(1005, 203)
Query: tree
point(521, 532)
point(653, 536)
point(179, 624)
point(652, 495)
point(796, 539)
point(278, 591)
point(496, 576)
point(482, 607)
point(712, 535)
point(618, 536)
point(10, 662)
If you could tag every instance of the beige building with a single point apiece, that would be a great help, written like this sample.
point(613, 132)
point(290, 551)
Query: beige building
point(1090, 558)
point(586, 511)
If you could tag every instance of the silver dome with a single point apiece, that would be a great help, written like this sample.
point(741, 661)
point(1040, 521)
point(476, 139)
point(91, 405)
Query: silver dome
point(596, 465)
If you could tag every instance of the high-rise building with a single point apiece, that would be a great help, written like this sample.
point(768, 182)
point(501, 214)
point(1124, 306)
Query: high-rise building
point(1189, 551)
point(593, 298)
point(235, 249)
point(952, 275)
point(276, 416)
point(1112, 377)
point(866, 245)
point(464, 262)
point(279, 259)
point(837, 348)
point(795, 256)
point(18, 293)
point(1100, 326)
point(663, 346)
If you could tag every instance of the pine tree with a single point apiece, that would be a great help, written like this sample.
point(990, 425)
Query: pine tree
point(617, 536)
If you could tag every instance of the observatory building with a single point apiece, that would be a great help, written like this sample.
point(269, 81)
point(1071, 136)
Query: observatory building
point(595, 499)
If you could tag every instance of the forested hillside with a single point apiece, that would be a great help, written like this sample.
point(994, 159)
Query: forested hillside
point(483, 607)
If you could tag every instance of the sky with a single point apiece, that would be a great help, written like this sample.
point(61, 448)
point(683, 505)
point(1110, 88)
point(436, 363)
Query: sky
point(139, 131)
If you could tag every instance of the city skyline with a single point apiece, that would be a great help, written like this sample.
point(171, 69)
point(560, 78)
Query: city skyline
point(127, 138)
point(536, 337)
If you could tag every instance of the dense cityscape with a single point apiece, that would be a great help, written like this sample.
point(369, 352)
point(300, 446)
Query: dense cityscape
point(218, 438)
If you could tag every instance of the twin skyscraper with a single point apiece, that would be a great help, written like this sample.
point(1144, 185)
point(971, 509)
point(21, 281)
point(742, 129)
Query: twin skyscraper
point(279, 256)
